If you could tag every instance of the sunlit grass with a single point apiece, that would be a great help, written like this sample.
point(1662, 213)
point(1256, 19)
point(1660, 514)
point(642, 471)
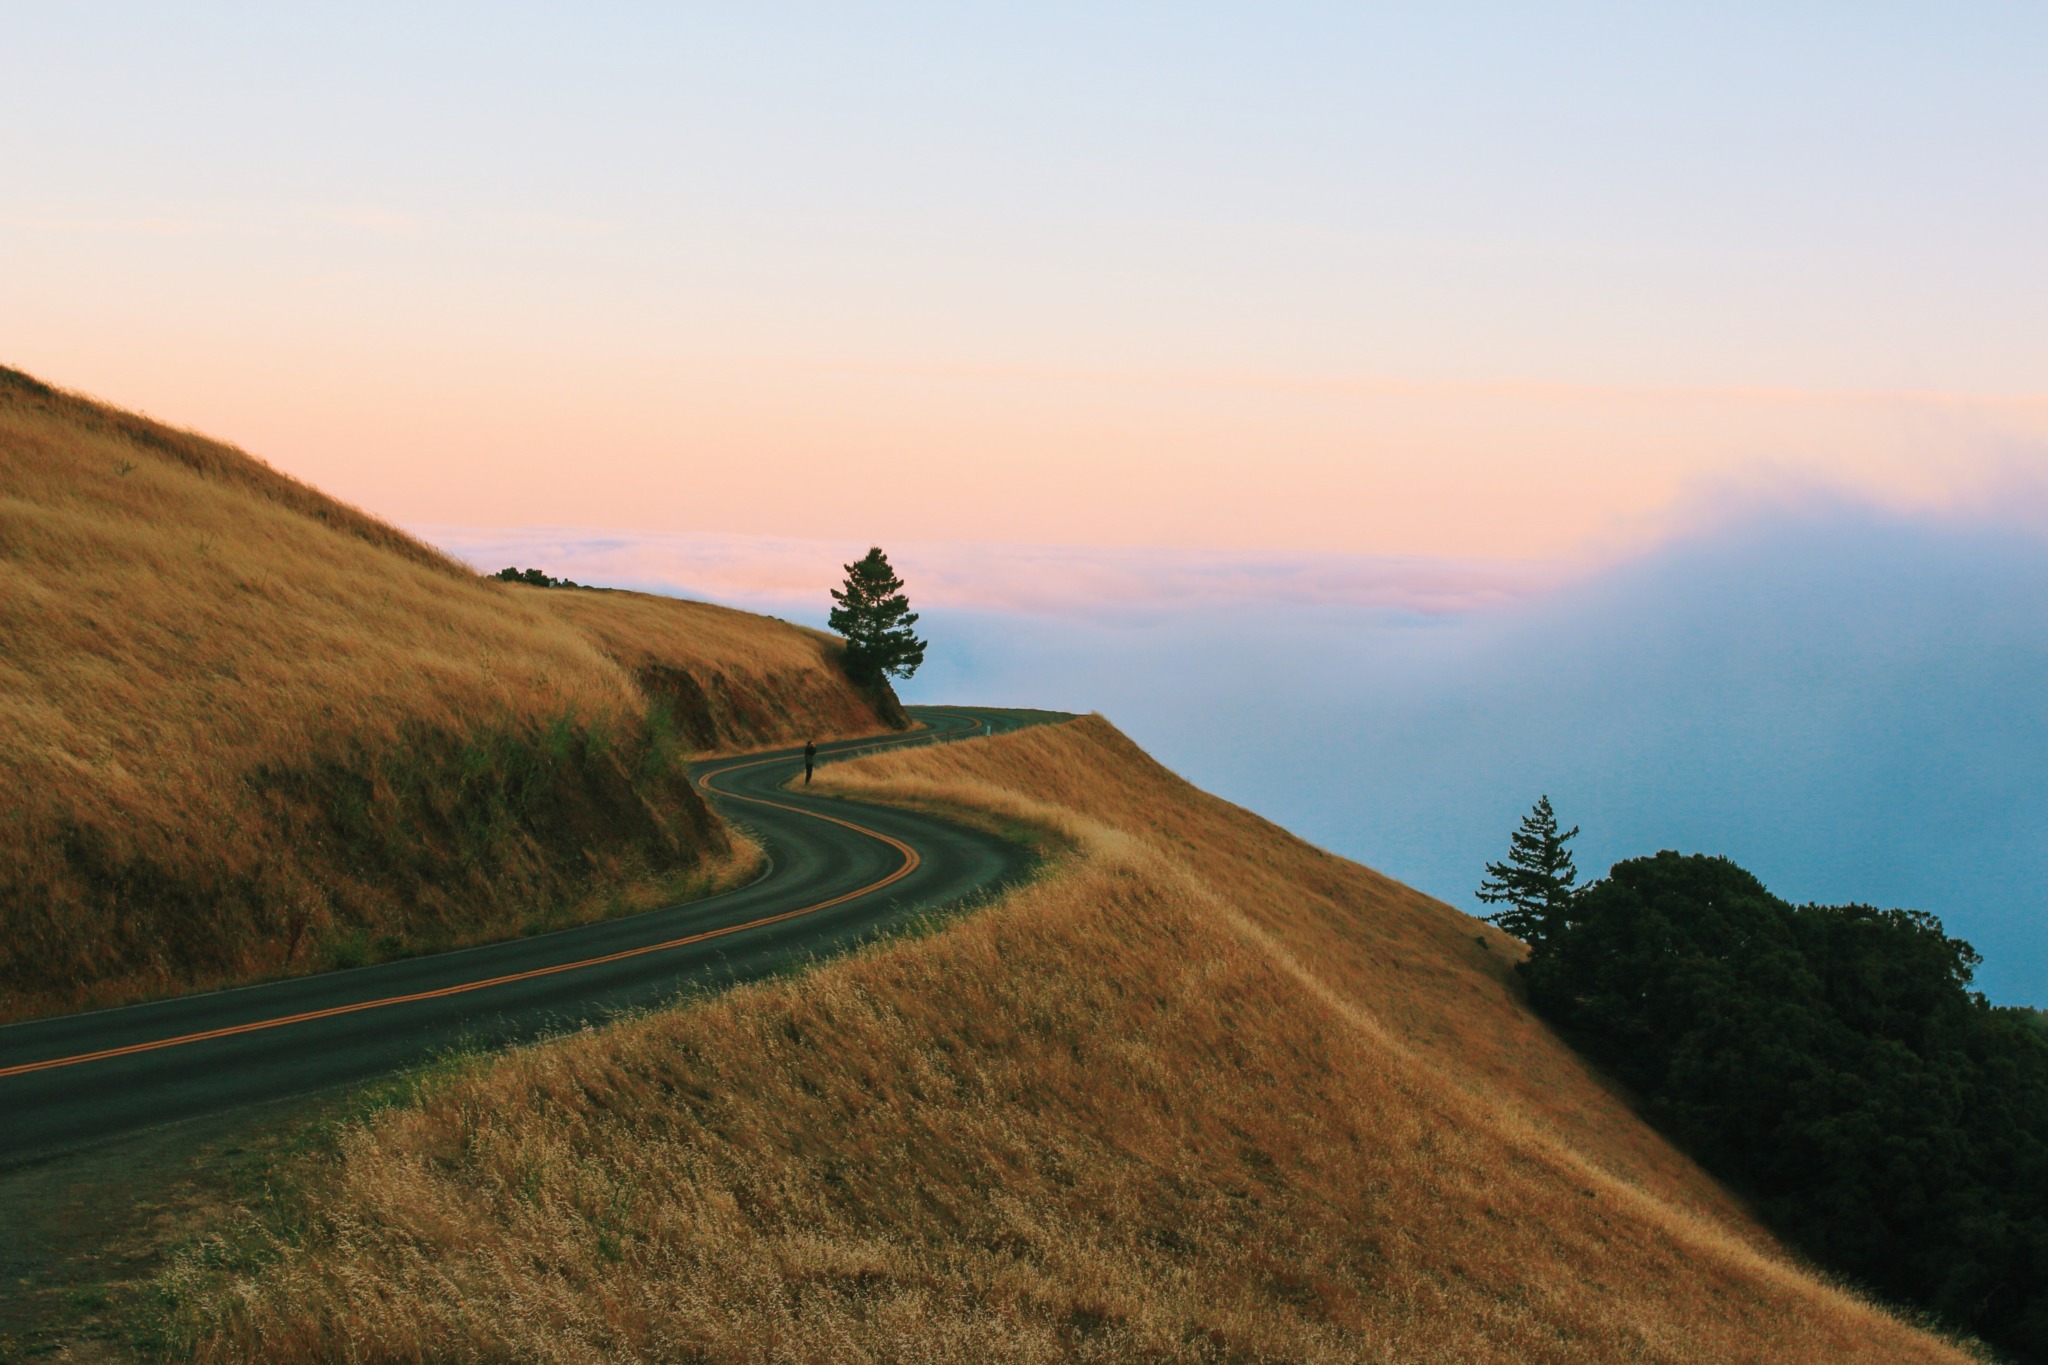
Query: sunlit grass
point(1201, 1092)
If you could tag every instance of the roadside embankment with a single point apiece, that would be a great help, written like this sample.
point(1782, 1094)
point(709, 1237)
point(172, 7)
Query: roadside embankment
point(249, 731)
point(1199, 1092)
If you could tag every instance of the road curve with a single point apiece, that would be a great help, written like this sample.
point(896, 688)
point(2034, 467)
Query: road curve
point(839, 872)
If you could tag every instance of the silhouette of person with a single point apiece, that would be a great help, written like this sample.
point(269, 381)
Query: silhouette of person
point(810, 760)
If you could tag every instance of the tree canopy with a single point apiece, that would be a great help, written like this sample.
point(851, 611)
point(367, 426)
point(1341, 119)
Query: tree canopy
point(875, 617)
point(1535, 882)
point(1832, 1063)
point(534, 577)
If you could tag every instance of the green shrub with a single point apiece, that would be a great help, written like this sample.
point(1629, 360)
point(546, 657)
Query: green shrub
point(534, 577)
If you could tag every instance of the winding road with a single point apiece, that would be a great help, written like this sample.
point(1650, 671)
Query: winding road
point(840, 872)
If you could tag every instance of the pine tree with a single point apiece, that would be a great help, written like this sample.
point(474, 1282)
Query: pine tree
point(1535, 882)
point(876, 618)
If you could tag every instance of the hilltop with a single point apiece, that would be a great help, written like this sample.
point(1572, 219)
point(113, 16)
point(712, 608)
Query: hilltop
point(1201, 1092)
point(247, 730)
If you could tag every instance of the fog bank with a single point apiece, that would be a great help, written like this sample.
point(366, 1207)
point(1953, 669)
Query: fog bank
point(1848, 703)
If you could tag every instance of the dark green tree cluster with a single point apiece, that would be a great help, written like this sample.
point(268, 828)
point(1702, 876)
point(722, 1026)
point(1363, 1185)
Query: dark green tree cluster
point(1829, 1061)
point(534, 577)
point(875, 617)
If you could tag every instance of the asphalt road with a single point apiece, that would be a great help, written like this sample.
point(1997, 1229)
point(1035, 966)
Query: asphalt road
point(840, 872)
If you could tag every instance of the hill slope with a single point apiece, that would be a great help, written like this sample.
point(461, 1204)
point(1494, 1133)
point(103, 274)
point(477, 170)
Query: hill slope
point(248, 730)
point(1201, 1093)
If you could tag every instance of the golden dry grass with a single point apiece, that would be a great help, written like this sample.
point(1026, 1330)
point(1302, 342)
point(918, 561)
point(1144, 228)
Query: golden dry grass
point(728, 677)
point(1201, 1093)
point(245, 729)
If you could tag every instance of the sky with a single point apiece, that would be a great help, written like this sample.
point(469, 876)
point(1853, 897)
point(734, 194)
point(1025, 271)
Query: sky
point(1383, 333)
point(1447, 279)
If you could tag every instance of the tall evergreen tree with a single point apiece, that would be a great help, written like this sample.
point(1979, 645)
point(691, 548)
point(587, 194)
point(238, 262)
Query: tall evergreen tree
point(1535, 883)
point(875, 617)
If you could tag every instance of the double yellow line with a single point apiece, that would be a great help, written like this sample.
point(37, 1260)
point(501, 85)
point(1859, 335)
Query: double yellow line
point(909, 865)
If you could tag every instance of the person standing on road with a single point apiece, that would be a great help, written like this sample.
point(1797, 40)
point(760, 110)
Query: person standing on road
point(810, 760)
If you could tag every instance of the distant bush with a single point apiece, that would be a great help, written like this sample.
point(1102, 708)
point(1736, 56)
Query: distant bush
point(1832, 1063)
point(533, 577)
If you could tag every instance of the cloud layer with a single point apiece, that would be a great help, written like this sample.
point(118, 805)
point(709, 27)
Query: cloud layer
point(790, 575)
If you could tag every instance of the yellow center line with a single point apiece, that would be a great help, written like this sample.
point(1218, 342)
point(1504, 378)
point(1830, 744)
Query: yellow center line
point(911, 860)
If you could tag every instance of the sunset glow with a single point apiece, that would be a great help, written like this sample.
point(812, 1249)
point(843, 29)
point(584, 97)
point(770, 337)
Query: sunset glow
point(1191, 282)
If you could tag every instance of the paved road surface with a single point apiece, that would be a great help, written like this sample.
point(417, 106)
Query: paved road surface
point(840, 872)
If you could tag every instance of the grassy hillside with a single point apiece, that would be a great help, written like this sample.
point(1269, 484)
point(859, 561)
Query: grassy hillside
point(725, 677)
point(247, 730)
point(1201, 1093)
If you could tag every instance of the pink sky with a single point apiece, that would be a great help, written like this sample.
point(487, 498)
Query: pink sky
point(1238, 461)
point(788, 574)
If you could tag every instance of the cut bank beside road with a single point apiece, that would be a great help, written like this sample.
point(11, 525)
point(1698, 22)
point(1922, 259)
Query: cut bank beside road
point(836, 875)
point(1200, 1092)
